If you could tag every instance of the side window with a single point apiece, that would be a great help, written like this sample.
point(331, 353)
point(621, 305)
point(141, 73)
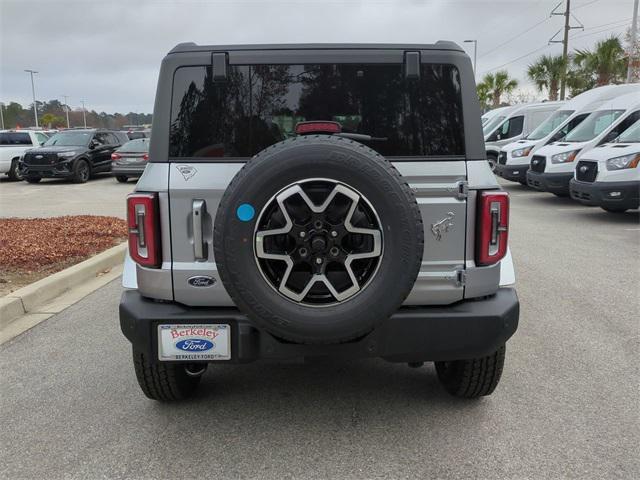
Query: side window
point(112, 139)
point(621, 127)
point(535, 119)
point(101, 138)
point(41, 137)
point(515, 127)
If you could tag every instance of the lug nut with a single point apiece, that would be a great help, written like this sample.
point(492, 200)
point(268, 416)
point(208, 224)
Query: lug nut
point(334, 251)
point(303, 234)
point(317, 224)
point(318, 260)
point(303, 252)
point(334, 233)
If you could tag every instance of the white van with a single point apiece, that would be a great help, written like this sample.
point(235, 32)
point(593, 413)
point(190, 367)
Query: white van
point(552, 166)
point(491, 114)
point(514, 158)
point(609, 175)
point(520, 121)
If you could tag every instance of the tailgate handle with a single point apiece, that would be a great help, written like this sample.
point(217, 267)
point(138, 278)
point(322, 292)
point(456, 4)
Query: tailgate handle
point(198, 210)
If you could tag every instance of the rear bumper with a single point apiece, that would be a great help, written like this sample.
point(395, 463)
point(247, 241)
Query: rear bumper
point(515, 173)
point(467, 329)
point(128, 170)
point(550, 182)
point(625, 194)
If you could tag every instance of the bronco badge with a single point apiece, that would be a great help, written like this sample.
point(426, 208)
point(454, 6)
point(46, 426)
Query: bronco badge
point(187, 171)
point(442, 226)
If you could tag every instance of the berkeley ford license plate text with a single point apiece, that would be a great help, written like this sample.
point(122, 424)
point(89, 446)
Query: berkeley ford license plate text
point(194, 342)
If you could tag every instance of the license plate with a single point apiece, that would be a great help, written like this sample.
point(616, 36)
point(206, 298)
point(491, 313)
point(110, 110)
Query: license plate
point(194, 342)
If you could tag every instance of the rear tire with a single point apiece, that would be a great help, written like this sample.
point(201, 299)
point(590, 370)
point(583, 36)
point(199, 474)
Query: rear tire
point(614, 209)
point(472, 378)
point(122, 178)
point(14, 171)
point(81, 172)
point(163, 381)
point(492, 160)
point(33, 179)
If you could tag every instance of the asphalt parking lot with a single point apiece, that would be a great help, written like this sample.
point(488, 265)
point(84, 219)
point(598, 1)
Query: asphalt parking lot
point(567, 406)
point(102, 195)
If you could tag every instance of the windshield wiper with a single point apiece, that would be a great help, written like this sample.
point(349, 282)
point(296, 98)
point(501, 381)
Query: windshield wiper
point(360, 137)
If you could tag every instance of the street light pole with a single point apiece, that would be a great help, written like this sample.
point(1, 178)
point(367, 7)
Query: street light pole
point(33, 91)
point(634, 32)
point(475, 53)
point(84, 114)
point(66, 109)
point(2, 114)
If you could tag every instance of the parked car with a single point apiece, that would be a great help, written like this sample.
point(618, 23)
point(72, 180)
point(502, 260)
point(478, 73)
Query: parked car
point(74, 154)
point(519, 122)
point(302, 234)
point(609, 176)
point(493, 114)
point(552, 167)
point(515, 157)
point(130, 160)
point(13, 143)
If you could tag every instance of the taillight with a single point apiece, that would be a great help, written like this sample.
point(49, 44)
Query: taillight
point(144, 229)
point(145, 157)
point(116, 156)
point(492, 229)
point(318, 127)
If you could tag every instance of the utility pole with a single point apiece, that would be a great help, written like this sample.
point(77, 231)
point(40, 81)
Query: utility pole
point(565, 42)
point(66, 109)
point(475, 54)
point(634, 33)
point(84, 114)
point(33, 91)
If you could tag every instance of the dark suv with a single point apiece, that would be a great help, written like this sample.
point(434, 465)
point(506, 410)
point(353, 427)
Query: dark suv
point(72, 154)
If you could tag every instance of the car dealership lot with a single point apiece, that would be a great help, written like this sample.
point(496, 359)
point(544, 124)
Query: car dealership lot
point(102, 195)
point(566, 407)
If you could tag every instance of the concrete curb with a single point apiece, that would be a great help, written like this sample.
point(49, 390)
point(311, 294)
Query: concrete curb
point(28, 299)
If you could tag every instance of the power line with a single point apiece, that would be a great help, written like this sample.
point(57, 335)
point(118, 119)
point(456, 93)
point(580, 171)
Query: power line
point(513, 38)
point(519, 58)
point(585, 4)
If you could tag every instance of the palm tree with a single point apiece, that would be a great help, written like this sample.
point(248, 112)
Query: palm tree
point(498, 84)
point(607, 63)
point(546, 72)
point(482, 90)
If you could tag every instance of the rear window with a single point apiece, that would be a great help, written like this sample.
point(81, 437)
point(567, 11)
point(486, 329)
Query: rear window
point(259, 105)
point(135, 146)
point(14, 138)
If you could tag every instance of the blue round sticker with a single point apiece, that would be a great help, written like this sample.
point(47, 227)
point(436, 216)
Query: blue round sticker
point(245, 212)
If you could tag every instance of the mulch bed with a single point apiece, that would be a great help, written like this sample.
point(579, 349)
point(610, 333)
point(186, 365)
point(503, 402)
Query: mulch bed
point(32, 248)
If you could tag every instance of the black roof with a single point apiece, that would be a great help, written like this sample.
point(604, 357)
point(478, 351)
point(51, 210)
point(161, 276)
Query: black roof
point(439, 45)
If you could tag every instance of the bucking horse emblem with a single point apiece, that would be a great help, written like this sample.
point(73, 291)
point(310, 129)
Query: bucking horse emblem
point(443, 226)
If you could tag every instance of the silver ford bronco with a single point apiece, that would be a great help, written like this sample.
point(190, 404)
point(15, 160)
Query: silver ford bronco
point(317, 201)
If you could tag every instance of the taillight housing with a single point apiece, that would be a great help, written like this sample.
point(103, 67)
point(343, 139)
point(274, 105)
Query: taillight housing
point(145, 157)
point(116, 156)
point(492, 227)
point(316, 126)
point(143, 221)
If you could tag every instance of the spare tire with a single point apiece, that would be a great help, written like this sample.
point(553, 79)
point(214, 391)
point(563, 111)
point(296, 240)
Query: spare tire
point(318, 239)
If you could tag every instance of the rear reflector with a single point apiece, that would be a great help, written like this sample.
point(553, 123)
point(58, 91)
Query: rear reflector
point(318, 127)
point(143, 221)
point(492, 228)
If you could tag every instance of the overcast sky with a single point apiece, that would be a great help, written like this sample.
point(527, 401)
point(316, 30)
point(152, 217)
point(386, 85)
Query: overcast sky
point(108, 52)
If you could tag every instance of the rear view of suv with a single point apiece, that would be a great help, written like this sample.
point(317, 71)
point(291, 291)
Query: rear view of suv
point(317, 201)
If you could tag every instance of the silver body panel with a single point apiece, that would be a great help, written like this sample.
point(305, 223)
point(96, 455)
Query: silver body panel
point(445, 191)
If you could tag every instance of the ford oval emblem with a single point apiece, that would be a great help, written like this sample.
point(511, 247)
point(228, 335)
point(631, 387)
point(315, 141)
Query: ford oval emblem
point(195, 345)
point(201, 281)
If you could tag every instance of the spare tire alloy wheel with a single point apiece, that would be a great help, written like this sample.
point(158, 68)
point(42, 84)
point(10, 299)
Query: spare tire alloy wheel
point(319, 257)
point(318, 239)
